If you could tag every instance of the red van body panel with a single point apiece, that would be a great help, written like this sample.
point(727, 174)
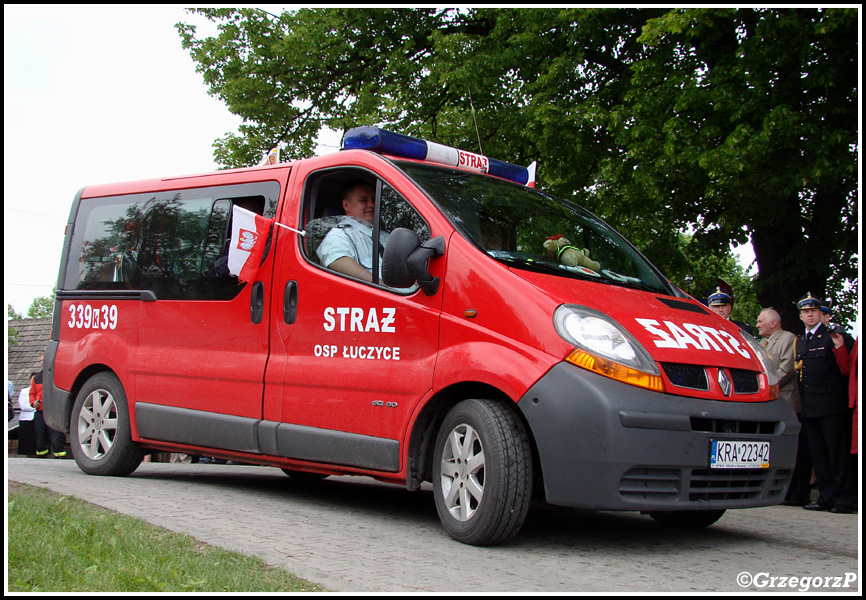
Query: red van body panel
point(501, 343)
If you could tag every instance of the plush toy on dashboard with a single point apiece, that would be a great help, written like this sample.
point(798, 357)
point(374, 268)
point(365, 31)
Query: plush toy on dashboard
point(560, 248)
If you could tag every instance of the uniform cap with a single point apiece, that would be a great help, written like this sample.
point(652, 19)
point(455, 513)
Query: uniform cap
point(827, 306)
point(809, 301)
point(721, 293)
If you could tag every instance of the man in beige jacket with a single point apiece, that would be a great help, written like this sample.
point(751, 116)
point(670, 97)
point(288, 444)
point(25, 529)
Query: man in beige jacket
point(780, 346)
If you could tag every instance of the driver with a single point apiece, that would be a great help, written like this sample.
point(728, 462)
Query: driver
point(348, 247)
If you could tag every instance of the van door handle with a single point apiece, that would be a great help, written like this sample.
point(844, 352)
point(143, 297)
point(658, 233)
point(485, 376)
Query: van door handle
point(290, 302)
point(257, 302)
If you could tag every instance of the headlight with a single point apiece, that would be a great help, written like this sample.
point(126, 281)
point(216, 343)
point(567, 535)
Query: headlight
point(604, 347)
point(763, 357)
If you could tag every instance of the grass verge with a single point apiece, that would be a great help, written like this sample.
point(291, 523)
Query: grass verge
point(61, 544)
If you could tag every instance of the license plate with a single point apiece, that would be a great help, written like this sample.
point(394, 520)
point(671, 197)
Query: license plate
point(728, 454)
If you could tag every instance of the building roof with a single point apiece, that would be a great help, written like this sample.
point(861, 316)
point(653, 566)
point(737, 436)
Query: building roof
point(32, 338)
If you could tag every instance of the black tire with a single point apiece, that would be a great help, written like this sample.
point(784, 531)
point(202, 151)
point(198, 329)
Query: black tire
point(687, 519)
point(99, 429)
point(482, 473)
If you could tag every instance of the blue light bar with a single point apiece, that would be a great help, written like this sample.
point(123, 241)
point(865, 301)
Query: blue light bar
point(396, 144)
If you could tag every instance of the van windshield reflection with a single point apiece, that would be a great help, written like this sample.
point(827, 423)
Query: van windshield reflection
point(528, 229)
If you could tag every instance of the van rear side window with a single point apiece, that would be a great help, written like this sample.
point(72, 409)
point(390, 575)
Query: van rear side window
point(169, 243)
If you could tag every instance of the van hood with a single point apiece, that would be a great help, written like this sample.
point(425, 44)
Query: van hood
point(672, 330)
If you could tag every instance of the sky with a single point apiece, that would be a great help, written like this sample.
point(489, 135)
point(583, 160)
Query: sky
point(96, 94)
point(93, 94)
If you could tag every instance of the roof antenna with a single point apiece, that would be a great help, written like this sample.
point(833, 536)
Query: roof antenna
point(472, 106)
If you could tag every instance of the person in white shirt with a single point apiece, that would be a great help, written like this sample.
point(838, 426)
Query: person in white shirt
point(348, 248)
point(26, 431)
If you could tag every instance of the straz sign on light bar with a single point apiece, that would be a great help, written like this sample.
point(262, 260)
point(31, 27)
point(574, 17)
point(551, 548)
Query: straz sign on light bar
point(476, 162)
point(727, 454)
point(457, 158)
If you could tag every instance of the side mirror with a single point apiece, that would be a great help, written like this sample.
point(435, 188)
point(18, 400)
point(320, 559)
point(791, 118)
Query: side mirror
point(405, 260)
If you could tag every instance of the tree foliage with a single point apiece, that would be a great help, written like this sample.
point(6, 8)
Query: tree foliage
point(701, 275)
point(743, 125)
point(42, 307)
point(11, 332)
point(733, 124)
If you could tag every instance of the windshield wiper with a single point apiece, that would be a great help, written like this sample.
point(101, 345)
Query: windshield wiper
point(557, 269)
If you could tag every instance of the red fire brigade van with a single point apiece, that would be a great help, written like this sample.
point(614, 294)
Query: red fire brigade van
point(501, 343)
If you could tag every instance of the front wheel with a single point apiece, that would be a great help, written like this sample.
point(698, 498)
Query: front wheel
point(482, 473)
point(101, 437)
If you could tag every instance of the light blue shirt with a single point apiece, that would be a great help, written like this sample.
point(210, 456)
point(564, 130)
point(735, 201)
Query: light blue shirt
point(353, 238)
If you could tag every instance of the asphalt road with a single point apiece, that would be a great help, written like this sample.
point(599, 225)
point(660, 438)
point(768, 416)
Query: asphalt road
point(356, 535)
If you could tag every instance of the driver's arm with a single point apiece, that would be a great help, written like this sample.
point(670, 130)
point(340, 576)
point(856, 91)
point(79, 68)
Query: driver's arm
point(349, 266)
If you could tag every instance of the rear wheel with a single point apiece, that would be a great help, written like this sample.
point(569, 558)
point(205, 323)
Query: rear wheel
point(688, 519)
point(482, 473)
point(101, 438)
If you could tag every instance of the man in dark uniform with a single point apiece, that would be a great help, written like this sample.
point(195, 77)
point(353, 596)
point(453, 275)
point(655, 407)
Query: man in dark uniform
point(720, 300)
point(826, 416)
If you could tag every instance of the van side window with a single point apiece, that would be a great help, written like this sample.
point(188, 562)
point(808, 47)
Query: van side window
point(218, 230)
point(332, 234)
point(167, 243)
point(395, 212)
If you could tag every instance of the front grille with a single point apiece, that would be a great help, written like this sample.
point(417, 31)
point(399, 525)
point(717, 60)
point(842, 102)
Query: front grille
point(735, 426)
point(745, 382)
point(736, 484)
point(687, 376)
point(648, 484)
point(694, 377)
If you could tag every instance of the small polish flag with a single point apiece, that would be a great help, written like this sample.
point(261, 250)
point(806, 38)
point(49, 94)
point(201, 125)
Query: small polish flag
point(272, 157)
point(531, 170)
point(249, 236)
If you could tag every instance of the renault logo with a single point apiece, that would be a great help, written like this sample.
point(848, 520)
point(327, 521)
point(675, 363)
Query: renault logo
point(724, 382)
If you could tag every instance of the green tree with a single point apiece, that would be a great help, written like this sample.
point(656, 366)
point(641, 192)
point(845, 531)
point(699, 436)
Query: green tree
point(11, 332)
point(537, 82)
point(743, 124)
point(734, 124)
point(41, 307)
point(701, 272)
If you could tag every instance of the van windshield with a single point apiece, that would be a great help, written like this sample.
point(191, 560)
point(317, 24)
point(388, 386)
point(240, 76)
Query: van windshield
point(528, 229)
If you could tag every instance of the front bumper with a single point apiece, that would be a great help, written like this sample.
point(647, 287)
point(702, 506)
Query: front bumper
point(606, 445)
